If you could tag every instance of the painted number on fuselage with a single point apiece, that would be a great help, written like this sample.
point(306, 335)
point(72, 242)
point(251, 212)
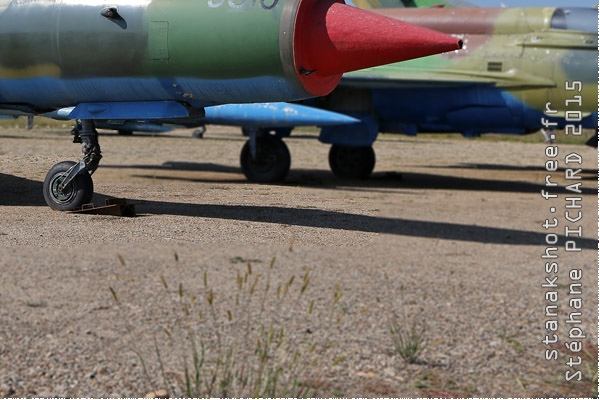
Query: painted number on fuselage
point(264, 4)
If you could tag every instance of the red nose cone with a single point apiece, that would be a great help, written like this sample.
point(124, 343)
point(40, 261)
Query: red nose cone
point(342, 38)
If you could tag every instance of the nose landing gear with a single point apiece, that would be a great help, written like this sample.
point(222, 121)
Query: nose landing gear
point(68, 185)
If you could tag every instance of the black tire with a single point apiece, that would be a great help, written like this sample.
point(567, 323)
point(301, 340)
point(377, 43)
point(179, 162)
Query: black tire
point(78, 193)
point(272, 162)
point(125, 132)
point(350, 162)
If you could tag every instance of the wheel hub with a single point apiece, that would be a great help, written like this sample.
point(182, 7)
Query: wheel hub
point(61, 196)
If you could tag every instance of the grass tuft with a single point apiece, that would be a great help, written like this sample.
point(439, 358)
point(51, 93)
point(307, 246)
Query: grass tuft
point(235, 343)
point(408, 338)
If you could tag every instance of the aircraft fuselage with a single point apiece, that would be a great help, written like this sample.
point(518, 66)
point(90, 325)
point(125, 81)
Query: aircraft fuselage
point(77, 51)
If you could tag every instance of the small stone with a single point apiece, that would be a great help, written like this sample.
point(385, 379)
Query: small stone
point(158, 394)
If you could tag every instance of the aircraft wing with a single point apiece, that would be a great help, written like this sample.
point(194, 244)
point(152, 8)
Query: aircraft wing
point(402, 78)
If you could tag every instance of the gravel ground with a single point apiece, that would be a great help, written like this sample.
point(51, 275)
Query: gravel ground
point(446, 236)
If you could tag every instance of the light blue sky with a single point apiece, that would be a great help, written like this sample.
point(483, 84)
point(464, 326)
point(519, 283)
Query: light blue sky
point(535, 3)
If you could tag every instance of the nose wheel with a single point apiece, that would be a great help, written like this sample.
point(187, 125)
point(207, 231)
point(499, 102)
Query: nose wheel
point(72, 196)
point(68, 185)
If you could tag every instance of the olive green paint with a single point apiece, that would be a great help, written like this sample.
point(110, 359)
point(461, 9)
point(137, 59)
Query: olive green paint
point(203, 39)
point(183, 38)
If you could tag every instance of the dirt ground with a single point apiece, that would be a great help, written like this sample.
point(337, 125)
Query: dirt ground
point(446, 238)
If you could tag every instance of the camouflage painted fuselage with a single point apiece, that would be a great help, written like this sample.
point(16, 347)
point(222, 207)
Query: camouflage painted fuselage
point(57, 53)
point(518, 66)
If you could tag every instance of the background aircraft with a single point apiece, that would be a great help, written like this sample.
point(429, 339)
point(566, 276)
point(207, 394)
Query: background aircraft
point(165, 59)
point(519, 67)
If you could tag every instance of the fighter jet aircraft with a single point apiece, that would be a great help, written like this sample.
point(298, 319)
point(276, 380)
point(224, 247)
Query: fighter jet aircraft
point(521, 70)
point(162, 59)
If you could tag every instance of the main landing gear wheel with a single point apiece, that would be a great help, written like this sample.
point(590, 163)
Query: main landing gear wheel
point(271, 162)
point(351, 162)
point(74, 195)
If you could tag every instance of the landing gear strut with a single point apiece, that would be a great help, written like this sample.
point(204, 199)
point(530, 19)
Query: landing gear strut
point(351, 162)
point(265, 158)
point(68, 185)
point(198, 133)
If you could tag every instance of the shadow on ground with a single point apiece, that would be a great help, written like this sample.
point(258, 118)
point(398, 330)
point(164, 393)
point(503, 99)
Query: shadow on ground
point(408, 180)
point(356, 222)
point(19, 191)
